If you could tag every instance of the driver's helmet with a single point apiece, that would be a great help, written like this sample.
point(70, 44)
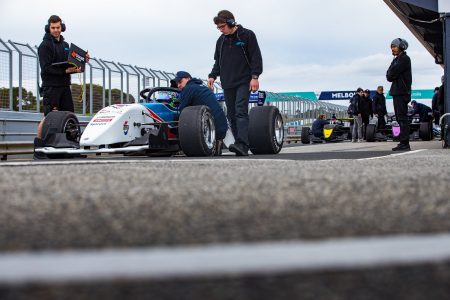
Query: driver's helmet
point(163, 96)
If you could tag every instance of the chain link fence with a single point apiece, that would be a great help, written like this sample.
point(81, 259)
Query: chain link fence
point(107, 82)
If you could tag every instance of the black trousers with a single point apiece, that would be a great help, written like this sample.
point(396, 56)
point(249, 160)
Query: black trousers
point(365, 119)
point(236, 100)
point(381, 122)
point(401, 113)
point(57, 97)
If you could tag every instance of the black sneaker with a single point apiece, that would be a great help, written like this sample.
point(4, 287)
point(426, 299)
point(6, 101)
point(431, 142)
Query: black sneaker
point(402, 147)
point(239, 149)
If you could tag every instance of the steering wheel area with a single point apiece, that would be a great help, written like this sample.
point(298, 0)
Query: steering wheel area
point(168, 94)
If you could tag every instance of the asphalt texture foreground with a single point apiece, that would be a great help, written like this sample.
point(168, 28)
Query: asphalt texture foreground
point(310, 193)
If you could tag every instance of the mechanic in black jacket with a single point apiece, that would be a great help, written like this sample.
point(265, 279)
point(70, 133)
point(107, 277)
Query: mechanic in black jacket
point(441, 97)
point(365, 108)
point(317, 126)
point(354, 110)
point(193, 92)
point(379, 107)
point(424, 112)
point(434, 106)
point(238, 62)
point(399, 73)
point(55, 79)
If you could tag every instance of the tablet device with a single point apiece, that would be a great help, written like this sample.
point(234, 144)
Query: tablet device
point(75, 58)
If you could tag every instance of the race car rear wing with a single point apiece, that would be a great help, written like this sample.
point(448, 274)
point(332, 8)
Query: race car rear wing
point(258, 97)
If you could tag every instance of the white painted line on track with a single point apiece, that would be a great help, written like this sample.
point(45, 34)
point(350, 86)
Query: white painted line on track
point(127, 161)
point(394, 154)
point(223, 259)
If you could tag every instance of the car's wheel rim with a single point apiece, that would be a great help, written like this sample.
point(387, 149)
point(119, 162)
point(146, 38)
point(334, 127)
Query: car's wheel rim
point(71, 129)
point(209, 131)
point(279, 130)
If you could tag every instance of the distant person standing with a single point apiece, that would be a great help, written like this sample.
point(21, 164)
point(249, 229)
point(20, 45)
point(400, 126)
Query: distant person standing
point(354, 110)
point(238, 62)
point(365, 109)
point(441, 97)
point(399, 73)
point(434, 106)
point(379, 107)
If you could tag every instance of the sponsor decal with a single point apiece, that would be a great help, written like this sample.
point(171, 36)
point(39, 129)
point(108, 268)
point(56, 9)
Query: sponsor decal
point(104, 120)
point(77, 56)
point(126, 127)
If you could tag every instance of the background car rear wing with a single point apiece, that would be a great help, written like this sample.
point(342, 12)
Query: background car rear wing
point(258, 97)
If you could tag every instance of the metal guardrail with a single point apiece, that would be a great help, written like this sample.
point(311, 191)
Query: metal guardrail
point(15, 148)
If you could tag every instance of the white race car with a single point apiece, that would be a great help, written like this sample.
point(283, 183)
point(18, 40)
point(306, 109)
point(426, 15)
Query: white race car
point(156, 127)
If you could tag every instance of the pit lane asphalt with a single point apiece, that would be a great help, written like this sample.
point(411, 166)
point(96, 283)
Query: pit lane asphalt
point(306, 193)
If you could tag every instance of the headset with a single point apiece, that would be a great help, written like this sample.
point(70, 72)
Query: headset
point(230, 22)
point(403, 44)
point(47, 27)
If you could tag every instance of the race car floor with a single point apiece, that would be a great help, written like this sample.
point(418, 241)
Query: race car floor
point(375, 224)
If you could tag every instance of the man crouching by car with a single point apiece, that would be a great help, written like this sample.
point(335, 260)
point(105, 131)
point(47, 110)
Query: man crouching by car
point(193, 92)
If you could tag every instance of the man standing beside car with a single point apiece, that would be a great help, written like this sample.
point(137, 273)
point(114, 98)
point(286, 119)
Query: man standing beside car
point(399, 73)
point(55, 79)
point(354, 108)
point(379, 107)
point(238, 62)
point(365, 109)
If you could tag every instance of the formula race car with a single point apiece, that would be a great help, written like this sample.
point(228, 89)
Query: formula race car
point(337, 130)
point(156, 127)
point(417, 130)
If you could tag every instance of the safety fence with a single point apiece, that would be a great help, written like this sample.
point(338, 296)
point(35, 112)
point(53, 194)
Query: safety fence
point(107, 82)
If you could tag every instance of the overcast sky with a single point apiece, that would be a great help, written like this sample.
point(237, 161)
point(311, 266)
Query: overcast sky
point(307, 45)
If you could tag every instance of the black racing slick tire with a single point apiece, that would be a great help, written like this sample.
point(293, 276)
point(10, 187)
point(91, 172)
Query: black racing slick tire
point(426, 131)
point(305, 137)
point(371, 130)
point(196, 132)
point(265, 130)
point(62, 122)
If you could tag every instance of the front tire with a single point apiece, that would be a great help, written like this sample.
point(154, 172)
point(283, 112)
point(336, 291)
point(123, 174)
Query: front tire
point(62, 122)
point(265, 130)
point(371, 129)
point(196, 131)
point(426, 131)
point(305, 137)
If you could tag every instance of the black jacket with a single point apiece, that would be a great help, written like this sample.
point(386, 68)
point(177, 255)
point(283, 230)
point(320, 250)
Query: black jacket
point(237, 57)
point(434, 102)
point(399, 73)
point(195, 93)
point(441, 101)
point(52, 51)
point(422, 110)
point(365, 106)
point(317, 127)
point(354, 105)
point(379, 104)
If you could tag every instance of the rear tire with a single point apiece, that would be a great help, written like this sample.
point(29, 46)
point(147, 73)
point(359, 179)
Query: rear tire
point(371, 129)
point(196, 131)
point(425, 131)
point(265, 130)
point(305, 137)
